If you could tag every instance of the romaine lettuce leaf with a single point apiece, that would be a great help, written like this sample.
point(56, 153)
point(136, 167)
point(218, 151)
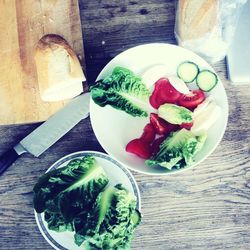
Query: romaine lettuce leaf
point(192, 146)
point(74, 198)
point(70, 189)
point(122, 90)
point(178, 150)
point(110, 222)
point(56, 222)
point(175, 114)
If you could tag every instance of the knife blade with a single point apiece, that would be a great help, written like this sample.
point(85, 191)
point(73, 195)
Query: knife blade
point(49, 132)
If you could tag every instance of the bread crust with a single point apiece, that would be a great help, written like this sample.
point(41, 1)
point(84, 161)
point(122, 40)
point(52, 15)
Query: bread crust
point(46, 49)
point(195, 25)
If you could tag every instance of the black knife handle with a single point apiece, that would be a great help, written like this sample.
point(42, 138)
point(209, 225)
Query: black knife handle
point(7, 159)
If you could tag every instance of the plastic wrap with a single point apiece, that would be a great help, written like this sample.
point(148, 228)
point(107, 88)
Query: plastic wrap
point(207, 26)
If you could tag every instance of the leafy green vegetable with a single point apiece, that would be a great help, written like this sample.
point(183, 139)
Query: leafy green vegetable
point(74, 198)
point(111, 221)
point(56, 222)
point(192, 146)
point(122, 90)
point(175, 114)
point(178, 150)
point(65, 192)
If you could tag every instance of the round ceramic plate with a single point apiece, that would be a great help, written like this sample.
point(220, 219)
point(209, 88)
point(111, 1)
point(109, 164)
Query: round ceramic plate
point(114, 128)
point(116, 174)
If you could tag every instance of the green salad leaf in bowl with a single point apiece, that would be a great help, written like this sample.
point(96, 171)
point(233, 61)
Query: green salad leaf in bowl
point(78, 198)
point(122, 90)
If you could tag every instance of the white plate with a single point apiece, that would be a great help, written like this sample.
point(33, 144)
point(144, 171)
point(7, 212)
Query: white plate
point(114, 128)
point(116, 174)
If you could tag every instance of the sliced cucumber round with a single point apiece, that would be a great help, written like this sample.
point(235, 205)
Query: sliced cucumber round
point(206, 80)
point(187, 71)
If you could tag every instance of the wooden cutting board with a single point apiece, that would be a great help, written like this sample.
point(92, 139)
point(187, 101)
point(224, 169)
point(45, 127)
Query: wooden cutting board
point(22, 24)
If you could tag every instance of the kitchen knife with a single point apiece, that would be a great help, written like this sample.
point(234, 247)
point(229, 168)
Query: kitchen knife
point(49, 132)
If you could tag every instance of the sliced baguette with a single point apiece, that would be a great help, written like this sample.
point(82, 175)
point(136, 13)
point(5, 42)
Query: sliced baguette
point(59, 72)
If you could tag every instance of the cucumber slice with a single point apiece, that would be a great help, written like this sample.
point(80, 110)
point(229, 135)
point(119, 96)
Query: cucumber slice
point(206, 80)
point(187, 71)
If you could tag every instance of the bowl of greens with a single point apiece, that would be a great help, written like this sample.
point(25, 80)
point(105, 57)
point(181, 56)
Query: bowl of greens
point(158, 109)
point(87, 200)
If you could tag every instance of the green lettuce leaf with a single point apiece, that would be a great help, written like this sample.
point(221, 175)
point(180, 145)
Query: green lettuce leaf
point(175, 114)
point(56, 222)
point(192, 146)
point(111, 221)
point(67, 191)
point(75, 198)
point(178, 150)
point(123, 91)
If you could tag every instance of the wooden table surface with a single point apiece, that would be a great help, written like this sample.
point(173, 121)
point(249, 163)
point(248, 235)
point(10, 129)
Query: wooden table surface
point(207, 207)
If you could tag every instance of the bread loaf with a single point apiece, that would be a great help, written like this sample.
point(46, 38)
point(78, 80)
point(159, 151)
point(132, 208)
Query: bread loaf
point(60, 75)
point(195, 18)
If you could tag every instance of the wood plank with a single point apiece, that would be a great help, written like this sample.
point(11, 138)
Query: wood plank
point(22, 24)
